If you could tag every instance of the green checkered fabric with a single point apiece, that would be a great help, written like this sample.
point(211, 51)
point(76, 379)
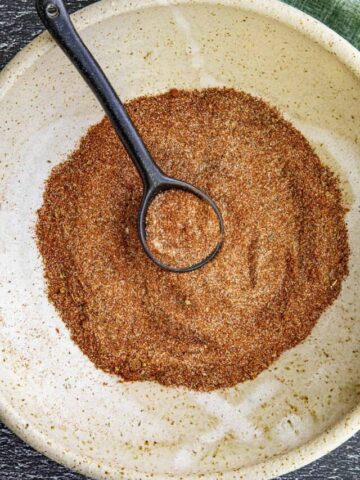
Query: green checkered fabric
point(343, 16)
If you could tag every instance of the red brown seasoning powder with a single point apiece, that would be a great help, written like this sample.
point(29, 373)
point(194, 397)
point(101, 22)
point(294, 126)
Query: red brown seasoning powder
point(181, 228)
point(282, 263)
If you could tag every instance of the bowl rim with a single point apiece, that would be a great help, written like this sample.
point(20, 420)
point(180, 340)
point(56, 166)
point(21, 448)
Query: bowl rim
point(278, 465)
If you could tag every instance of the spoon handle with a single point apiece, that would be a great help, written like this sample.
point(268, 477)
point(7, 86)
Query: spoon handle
point(57, 21)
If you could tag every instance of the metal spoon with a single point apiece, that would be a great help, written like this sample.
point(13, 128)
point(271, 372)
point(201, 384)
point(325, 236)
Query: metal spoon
point(56, 19)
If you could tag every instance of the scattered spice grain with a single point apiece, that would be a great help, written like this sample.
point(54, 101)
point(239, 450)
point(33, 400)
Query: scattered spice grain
point(282, 263)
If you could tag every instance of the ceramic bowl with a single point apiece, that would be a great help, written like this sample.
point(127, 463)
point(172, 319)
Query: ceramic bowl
point(51, 395)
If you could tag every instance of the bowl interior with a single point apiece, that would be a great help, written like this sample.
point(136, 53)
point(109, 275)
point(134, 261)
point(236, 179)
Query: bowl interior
point(47, 386)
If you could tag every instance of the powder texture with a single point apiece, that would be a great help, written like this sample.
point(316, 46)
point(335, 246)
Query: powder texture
point(181, 228)
point(282, 263)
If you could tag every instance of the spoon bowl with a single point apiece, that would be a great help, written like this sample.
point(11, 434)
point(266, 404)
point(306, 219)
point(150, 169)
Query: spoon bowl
point(163, 184)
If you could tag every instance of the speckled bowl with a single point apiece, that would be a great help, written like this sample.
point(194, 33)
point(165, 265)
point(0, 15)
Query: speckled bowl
point(50, 394)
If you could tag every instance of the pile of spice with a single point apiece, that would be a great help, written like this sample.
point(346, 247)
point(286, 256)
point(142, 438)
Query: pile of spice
point(282, 263)
point(181, 228)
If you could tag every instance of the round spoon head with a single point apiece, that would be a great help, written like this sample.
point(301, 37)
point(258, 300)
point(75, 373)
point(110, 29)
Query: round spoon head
point(172, 184)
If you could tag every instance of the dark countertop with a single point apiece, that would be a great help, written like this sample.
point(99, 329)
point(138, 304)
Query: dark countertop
point(18, 25)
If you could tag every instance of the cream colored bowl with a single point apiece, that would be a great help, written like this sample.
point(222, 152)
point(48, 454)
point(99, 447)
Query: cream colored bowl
point(50, 394)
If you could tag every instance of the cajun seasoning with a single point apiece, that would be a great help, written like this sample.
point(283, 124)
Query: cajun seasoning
point(282, 263)
point(181, 228)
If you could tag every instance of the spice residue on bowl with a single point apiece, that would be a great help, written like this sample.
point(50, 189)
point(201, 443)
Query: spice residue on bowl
point(282, 263)
point(181, 228)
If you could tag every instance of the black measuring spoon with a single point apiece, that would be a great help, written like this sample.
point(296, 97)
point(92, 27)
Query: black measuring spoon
point(57, 21)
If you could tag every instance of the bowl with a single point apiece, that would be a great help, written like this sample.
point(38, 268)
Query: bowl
point(51, 395)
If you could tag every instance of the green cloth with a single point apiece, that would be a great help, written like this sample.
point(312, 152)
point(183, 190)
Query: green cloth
point(343, 16)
